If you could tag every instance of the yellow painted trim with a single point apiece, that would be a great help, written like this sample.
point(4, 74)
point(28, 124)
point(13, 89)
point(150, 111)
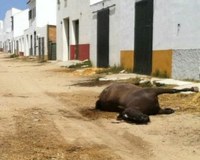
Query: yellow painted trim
point(162, 62)
point(127, 59)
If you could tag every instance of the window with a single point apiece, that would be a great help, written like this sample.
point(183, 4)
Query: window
point(58, 4)
point(65, 3)
point(30, 14)
point(12, 23)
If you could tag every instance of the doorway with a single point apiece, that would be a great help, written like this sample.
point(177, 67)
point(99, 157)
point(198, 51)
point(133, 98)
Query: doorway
point(66, 39)
point(103, 38)
point(76, 36)
point(143, 37)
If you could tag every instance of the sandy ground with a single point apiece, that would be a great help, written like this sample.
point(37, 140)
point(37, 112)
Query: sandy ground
point(43, 116)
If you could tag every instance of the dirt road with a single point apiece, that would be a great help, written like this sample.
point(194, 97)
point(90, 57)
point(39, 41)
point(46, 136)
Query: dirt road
point(43, 116)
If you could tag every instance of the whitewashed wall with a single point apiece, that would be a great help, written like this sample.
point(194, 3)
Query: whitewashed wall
point(163, 21)
point(46, 12)
point(176, 24)
point(20, 23)
point(1, 34)
point(19, 27)
point(186, 54)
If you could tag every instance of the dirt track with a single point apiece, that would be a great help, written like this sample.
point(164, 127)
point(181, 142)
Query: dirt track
point(43, 116)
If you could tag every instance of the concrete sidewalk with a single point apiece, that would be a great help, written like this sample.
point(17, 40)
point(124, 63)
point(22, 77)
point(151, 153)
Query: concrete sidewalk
point(167, 81)
point(123, 76)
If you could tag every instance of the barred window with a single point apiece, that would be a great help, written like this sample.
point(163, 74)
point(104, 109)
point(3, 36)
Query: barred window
point(30, 14)
point(12, 23)
point(65, 3)
point(58, 4)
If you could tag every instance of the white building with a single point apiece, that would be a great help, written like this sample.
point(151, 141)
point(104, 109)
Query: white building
point(18, 31)
point(73, 29)
point(8, 26)
point(41, 14)
point(1, 35)
point(148, 36)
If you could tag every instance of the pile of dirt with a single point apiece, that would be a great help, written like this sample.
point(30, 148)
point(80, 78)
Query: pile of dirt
point(62, 70)
point(93, 114)
point(86, 71)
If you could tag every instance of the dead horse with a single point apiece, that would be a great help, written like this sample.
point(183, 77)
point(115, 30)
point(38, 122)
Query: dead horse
point(134, 103)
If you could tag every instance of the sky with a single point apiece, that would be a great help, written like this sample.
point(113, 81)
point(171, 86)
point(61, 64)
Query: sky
point(8, 4)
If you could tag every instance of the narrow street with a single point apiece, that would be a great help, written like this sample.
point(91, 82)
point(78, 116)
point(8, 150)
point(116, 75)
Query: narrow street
point(44, 116)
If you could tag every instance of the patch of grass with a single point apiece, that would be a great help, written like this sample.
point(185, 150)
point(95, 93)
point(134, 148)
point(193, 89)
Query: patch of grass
point(111, 70)
point(92, 83)
point(14, 55)
point(84, 64)
point(192, 80)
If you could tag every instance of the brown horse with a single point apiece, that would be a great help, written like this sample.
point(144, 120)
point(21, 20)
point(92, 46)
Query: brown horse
point(134, 103)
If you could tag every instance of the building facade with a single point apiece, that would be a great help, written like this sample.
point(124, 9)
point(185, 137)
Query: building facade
point(73, 30)
point(42, 13)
